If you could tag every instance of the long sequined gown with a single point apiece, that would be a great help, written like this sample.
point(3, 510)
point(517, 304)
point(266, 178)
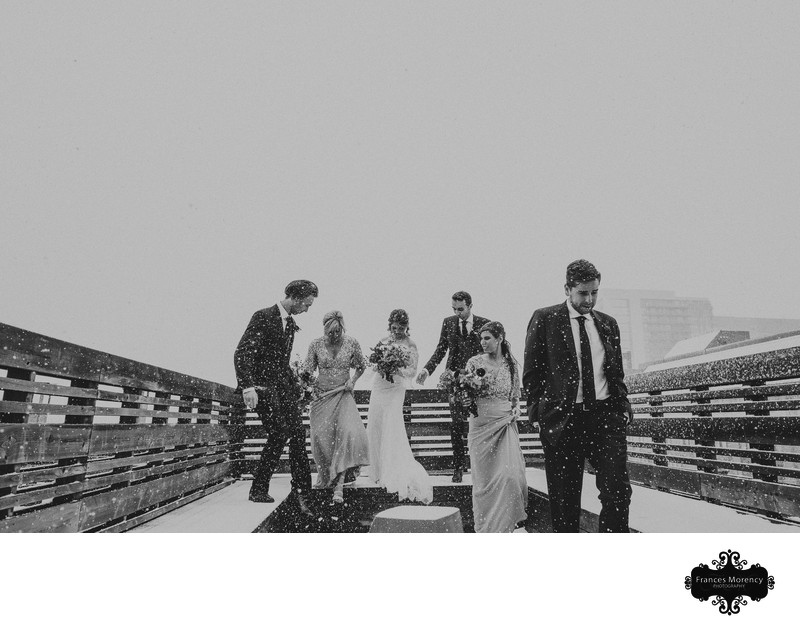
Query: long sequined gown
point(392, 464)
point(499, 487)
point(338, 437)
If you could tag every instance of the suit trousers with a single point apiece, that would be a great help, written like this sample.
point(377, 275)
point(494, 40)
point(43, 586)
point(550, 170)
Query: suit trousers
point(598, 436)
point(283, 424)
point(458, 417)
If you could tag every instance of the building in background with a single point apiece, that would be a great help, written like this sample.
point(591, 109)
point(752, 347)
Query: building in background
point(653, 322)
point(706, 342)
point(778, 342)
point(757, 327)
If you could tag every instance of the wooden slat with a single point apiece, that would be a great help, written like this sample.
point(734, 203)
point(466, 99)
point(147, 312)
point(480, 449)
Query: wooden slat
point(25, 376)
point(39, 476)
point(99, 509)
point(779, 499)
point(43, 387)
point(137, 475)
point(157, 512)
point(110, 439)
point(728, 393)
point(719, 451)
point(21, 443)
point(668, 478)
point(108, 464)
point(757, 470)
point(31, 351)
point(39, 495)
point(748, 407)
point(59, 518)
point(45, 409)
point(783, 430)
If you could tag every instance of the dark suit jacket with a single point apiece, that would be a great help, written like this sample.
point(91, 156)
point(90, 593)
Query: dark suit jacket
point(550, 372)
point(451, 339)
point(261, 358)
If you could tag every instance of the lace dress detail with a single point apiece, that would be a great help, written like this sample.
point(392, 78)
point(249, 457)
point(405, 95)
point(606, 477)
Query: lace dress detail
point(349, 356)
point(500, 384)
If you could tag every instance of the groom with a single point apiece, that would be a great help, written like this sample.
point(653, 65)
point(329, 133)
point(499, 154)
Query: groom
point(461, 336)
point(268, 386)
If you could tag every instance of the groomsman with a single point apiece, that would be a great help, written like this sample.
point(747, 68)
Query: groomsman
point(461, 337)
point(268, 386)
point(577, 394)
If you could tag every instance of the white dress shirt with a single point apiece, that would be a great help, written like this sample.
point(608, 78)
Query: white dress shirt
point(286, 314)
point(598, 353)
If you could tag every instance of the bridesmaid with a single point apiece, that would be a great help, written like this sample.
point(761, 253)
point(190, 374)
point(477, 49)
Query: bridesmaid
point(499, 487)
point(338, 437)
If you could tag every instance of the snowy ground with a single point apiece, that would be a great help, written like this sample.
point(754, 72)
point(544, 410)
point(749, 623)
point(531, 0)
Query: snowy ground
point(655, 511)
point(229, 511)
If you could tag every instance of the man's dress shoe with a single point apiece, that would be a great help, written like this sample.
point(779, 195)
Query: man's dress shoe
point(261, 496)
point(457, 474)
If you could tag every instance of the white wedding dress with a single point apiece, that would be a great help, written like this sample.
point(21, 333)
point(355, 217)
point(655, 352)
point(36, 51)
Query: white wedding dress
point(392, 464)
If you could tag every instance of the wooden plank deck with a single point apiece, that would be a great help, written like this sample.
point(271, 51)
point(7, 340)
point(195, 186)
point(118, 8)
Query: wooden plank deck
point(229, 511)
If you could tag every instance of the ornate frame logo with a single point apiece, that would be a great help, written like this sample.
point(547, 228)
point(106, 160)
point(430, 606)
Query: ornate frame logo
point(729, 583)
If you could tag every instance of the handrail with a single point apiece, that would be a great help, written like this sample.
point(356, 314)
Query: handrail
point(92, 441)
point(726, 431)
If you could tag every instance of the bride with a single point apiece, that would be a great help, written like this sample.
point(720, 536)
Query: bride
point(392, 464)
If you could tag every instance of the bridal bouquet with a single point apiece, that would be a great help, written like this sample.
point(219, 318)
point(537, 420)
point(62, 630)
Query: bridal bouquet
point(305, 383)
point(389, 359)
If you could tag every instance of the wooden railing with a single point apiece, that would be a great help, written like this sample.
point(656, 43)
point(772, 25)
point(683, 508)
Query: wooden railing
point(91, 441)
point(725, 431)
point(95, 442)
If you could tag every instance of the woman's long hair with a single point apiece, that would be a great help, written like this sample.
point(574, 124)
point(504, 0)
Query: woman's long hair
point(497, 329)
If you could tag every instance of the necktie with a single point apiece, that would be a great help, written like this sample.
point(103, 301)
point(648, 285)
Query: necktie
point(291, 327)
point(587, 369)
point(464, 329)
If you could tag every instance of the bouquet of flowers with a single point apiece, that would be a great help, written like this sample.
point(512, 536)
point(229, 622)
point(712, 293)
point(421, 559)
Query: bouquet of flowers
point(472, 384)
point(465, 386)
point(389, 359)
point(448, 381)
point(305, 383)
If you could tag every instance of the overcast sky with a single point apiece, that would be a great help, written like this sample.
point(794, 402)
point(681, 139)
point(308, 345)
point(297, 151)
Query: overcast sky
point(167, 167)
